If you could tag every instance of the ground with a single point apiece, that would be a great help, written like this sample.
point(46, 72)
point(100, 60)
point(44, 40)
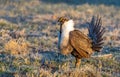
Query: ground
point(28, 34)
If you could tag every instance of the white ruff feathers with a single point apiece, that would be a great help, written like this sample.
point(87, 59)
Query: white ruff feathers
point(66, 28)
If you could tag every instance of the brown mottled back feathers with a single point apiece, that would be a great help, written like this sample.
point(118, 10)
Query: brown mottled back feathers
point(81, 43)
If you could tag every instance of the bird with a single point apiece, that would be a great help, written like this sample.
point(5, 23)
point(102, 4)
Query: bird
point(73, 41)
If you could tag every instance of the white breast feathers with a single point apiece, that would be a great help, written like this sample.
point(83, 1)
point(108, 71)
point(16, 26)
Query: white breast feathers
point(66, 28)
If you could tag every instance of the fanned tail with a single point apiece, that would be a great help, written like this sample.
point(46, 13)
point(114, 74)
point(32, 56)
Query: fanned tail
point(96, 32)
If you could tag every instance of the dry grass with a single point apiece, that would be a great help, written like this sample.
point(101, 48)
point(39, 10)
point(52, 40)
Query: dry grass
point(17, 47)
point(39, 18)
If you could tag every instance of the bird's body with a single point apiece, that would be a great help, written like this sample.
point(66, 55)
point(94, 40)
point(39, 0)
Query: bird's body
point(72, 41)
point(83, 44)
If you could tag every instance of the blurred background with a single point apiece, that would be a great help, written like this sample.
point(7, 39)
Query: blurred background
point(28, 37)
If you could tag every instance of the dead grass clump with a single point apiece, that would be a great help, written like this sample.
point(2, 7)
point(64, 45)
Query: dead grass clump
point(17, 46)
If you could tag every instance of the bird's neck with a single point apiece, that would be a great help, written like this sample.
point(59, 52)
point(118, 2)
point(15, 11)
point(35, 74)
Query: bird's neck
point(67, 28)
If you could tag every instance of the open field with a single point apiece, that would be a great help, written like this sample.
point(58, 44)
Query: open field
point(28, 38)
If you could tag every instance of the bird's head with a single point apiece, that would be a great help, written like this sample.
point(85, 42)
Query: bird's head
point(65, 23)
point(62, 20)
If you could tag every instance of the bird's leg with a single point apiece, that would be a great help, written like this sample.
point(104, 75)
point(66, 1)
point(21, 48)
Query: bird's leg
point(77, 63)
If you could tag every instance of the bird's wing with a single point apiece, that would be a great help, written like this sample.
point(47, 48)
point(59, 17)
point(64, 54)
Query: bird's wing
point(81, 43)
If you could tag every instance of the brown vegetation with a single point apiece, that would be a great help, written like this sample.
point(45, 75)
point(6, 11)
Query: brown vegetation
point(37, 17)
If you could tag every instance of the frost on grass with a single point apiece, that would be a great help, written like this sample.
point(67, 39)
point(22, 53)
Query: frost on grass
point(39, 18)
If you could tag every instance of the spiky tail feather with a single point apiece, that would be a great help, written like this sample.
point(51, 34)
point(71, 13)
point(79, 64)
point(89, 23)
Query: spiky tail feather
point(96, 32)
